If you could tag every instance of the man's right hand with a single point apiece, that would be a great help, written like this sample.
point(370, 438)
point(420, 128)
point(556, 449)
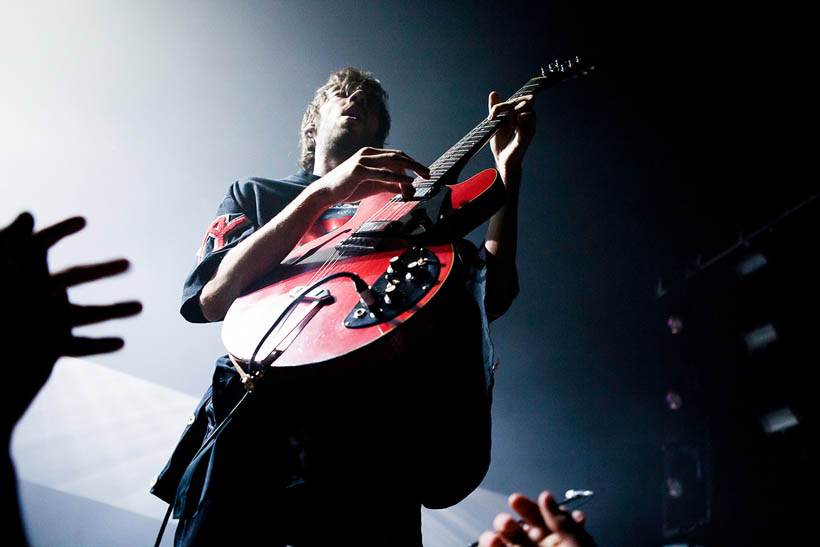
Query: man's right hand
point(370, 171)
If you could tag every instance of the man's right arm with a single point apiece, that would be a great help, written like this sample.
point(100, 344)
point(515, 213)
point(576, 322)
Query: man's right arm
point(260, 252)
point(367, 172)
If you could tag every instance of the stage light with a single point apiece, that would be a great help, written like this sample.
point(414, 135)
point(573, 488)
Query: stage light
point(675, 324)
point(778, 420)
point(686, 505)
point(760, 337)
point(673, 400)
point(674, 487)
point(751, 264)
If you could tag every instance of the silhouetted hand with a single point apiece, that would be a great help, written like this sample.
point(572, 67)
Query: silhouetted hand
point(38, 315)
point(545, 525)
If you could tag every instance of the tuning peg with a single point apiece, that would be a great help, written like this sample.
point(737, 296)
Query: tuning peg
point(543, 72)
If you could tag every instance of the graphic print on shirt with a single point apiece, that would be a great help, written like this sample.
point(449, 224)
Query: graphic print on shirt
point(333, 218)
point(219, 231)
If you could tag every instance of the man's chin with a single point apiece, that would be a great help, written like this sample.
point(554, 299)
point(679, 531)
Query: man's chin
point(346, 143)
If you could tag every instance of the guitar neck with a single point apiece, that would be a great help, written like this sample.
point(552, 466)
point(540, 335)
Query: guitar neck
point(450, 164)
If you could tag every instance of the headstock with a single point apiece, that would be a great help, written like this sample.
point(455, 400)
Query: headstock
point(569, 68)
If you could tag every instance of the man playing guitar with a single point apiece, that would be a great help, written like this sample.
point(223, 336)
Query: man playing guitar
point(408, 427)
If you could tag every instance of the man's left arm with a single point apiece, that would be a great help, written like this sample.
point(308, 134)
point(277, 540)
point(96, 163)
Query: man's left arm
point(509, 145)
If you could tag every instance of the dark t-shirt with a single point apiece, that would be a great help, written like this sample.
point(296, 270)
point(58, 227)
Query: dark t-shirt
point(418, 424)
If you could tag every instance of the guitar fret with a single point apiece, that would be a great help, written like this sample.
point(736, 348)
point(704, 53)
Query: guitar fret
point(477, 136)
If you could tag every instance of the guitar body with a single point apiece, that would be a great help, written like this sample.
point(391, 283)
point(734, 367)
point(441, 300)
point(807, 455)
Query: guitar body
point(319, 330)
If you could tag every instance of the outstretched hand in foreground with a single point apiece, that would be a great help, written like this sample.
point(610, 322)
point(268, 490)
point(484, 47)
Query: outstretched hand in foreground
point(545, 524)
point(38, 315)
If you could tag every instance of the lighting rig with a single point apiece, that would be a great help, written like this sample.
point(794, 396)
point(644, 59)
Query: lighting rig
point(739, 348)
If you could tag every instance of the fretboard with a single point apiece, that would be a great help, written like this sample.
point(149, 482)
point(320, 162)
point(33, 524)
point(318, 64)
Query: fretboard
point(451, 162)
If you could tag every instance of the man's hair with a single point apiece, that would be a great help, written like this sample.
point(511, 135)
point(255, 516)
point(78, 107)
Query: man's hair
point(348, 80)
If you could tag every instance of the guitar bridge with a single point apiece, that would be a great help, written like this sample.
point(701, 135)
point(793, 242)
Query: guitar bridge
point(355, 244)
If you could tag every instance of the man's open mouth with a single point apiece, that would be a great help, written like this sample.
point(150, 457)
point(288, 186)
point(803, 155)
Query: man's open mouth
point(353, 113)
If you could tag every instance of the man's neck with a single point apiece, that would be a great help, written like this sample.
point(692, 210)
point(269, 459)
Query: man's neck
point(324, 164)
point(329, 158)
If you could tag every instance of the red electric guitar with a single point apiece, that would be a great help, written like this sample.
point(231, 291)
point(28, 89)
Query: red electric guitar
point(307, 312)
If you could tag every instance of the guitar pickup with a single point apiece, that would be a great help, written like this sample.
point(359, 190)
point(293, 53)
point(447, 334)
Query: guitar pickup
point(378, 228)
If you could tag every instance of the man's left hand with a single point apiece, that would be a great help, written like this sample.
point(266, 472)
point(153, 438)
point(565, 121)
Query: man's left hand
point(510, 142)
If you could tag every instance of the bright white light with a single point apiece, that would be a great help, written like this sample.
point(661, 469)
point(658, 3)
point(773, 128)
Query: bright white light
point(98, 433)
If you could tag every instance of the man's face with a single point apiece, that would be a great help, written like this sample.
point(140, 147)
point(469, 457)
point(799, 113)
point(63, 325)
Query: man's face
point(346, 123)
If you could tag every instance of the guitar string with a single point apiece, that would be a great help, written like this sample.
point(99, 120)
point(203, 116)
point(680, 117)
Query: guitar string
point(327, 267)
point(394, 211)
point(336, 255)
point(399, 209)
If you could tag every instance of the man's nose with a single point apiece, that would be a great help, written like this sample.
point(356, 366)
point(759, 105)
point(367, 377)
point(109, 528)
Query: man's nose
point(359, 97)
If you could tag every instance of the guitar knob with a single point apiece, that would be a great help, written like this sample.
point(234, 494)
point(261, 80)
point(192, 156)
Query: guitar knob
point(395, 266)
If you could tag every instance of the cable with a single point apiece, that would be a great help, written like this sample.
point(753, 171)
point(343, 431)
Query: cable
point(367, 297)
point(364, 291)
point(202, 448)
